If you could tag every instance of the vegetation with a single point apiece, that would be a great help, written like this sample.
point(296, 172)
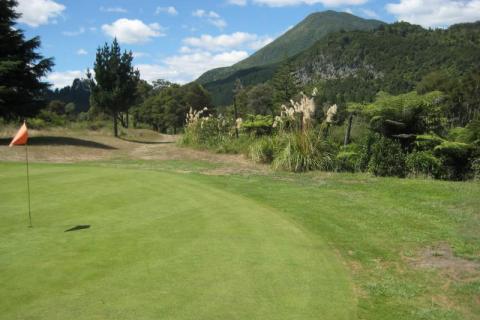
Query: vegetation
point(258, 67)
point(78, 94)
point(21, 68)
point(115, 84)
point(164, 106)
point(406, 135)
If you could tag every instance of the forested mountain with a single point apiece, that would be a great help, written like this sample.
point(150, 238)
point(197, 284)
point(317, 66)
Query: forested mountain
point(78, 93)
point(355, 65)
point(300, 37)
point(397, 58)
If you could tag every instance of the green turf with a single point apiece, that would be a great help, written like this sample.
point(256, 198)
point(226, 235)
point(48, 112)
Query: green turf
point(162, 245)
point(166, 243)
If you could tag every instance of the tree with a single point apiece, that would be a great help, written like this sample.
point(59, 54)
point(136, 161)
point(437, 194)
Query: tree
point(78, 93)
point(115, 86)
point(284, 84)
point(166, 108)
point(260, 99)
point(160, 84)
point(21, 67)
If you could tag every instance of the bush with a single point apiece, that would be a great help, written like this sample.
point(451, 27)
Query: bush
point(230, 144)
point(424, 164)
point(36, 123)
point(264, 149)
point(52, 118)
point(303, 152)
point(455, 158)
point(387, 158)
point(476, 169)
point(347, 161)
point(258, 125)
point(427, 142)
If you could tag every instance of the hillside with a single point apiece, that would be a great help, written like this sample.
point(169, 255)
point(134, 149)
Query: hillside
point(355, 65)
point(300, 37)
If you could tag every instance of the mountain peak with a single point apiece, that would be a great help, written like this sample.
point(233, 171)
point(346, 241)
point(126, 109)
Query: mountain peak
point(303, 35)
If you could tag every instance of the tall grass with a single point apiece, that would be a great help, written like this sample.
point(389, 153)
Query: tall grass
point(304, 151)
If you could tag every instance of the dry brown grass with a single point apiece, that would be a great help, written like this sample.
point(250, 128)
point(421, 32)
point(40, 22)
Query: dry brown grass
point(66, 146)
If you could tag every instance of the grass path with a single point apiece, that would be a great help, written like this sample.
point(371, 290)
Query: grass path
point(161, 246)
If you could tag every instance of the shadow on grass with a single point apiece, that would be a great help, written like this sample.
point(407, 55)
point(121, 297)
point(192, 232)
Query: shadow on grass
point(60, 141)
point(145, 142)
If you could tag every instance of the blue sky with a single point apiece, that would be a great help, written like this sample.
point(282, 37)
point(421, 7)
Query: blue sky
point(179, 40)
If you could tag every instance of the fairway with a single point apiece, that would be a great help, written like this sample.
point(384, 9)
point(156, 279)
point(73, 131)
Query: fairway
point(162, 245)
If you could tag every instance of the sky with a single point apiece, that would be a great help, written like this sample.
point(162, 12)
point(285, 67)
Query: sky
point(179, 40)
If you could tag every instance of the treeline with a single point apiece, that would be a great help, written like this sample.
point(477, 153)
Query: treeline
point(163, 105)
point(78, 93)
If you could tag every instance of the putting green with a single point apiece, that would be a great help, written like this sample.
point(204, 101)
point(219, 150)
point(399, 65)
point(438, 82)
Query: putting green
point(162, 245)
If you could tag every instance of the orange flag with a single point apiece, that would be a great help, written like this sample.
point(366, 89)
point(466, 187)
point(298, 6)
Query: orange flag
point(21, 137)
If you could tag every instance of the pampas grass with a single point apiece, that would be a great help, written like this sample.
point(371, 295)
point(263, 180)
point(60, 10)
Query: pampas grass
point(304, 152)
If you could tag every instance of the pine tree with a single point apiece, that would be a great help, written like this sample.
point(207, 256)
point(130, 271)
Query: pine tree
point(284, 84)
point(115, 86)
point(21, 67)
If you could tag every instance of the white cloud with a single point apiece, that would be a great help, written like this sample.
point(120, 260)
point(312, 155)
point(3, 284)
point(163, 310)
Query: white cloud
point(328, 3)
point(114, 9)
point(64, 78)
point(237, 2)
point(370, 13)
point(133, 31)
point(435, 13)
point(38, 12)
point(74, 33)
point(170, 10)
point(82, 52)
point(220, 42)
point(226, 41)
point(211, 16)
point(188, 67)
point(260, 43)
point(139, 54)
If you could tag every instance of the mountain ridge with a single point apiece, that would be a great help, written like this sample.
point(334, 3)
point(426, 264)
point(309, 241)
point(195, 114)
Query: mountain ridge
point(303, 35)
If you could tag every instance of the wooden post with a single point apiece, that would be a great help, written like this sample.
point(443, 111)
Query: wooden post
point(348, 130)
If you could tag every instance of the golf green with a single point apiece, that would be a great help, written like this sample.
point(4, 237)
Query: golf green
point(161, 245)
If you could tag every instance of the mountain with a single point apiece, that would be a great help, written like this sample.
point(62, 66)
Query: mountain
point(355, 65)
point(78, 93)
point(260, 65)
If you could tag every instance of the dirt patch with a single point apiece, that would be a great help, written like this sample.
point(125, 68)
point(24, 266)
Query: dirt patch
point(441, 257)
point(63, 146)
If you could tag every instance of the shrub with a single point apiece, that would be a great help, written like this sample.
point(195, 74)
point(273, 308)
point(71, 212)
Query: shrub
point(365, 152)
point(427, 142)
point(424, 164)
point(230, 144)
point(476, 169)
point(303, 152)
point(347, 161)
point(455, 159)
point(52, 118)
point(387, 158)
point(258, 125)
point(264, 149)
point(36, 123)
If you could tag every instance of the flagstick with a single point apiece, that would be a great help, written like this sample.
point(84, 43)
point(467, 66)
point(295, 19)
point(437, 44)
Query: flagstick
point(28, 188)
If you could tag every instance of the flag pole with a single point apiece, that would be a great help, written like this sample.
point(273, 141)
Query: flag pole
point(28, 187)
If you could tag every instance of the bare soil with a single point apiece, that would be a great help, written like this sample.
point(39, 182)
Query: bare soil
point(442, 258)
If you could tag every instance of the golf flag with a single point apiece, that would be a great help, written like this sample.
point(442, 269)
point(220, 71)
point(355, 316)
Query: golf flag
point(21, 137)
